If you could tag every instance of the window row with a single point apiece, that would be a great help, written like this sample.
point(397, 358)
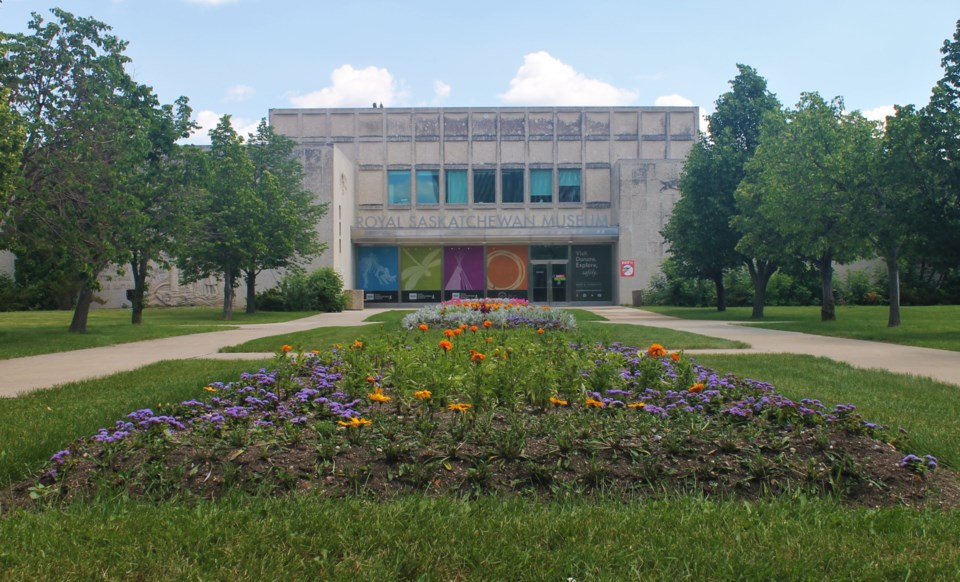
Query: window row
point(402, 185)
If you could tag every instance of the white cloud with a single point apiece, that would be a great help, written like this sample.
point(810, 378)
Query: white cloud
point(441, 90)
point(239, 93)
point(207, 120)
point(353, 88)
point(545, 80)
point(880, 113)
point(672, 101)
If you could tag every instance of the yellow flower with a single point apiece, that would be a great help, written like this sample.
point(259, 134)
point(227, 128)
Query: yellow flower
point(656, 351)
point(557, 401)
point(209, 388)
point(594, 403)
point(459, 406)
point(423, 394)
point(378, 396)
point(355, 421)
point(357, 345)
point(286, 348)
point(637, 405)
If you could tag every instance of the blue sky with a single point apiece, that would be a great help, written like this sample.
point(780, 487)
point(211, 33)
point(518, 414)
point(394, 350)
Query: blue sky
point(245, 57)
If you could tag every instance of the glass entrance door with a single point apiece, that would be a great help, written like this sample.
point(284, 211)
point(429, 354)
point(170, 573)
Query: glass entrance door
point(550, 282)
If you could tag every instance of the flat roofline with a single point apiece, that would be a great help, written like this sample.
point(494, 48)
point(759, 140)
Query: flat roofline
point(652, 108)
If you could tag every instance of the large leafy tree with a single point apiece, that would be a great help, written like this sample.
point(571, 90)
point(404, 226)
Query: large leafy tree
point(85, 135)
point(703, 240)
point(287, 230)
point(805, 175)
point(11, 146)
point(229, 235)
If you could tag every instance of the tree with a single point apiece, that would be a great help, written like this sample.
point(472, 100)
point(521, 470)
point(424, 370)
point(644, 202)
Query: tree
point(11, 148)
point(805, 176)
point(84, 137)
point(703, 240)
point(288, 229)
point(167, 189)
point(229, 235)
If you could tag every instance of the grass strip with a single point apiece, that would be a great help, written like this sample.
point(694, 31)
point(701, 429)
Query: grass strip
point(487, 539)
point(922, 326)
point(30, 333)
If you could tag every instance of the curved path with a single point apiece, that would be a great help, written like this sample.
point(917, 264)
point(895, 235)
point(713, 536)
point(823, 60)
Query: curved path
point(24, 374)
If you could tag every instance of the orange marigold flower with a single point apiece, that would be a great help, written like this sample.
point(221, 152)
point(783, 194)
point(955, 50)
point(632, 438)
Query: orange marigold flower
point(446, 345)
point(656, 351)
point(371, 379)
point(459, 406)
point(558, 402)
point(539, 331)
point(474, 328)
point(286, 348)
point(423, 394)
point(463, 326)
point(357, 345)
point(457, 331)
point(314, 352)
point(378, 396)
point(675, 356)
point(594, 402)
point(637, 405)
point(424, 327)
point(477, 357)
point(487, 323)
point(355, 422)
point(448, 332)
point(698, 387)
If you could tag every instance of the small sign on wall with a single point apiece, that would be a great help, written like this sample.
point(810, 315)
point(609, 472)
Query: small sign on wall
point(627, 268)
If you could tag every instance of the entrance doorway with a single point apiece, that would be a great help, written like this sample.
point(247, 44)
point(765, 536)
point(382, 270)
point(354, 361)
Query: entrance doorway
point(550, 282)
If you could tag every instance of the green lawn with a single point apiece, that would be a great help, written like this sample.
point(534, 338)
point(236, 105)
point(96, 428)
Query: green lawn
point(29, 333)
point(924, 326)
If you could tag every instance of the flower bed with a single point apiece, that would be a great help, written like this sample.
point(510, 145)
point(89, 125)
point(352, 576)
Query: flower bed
point(502, 313)
point(487, 410)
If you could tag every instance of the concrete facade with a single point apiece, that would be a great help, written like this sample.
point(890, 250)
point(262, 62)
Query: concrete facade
point(579, 196)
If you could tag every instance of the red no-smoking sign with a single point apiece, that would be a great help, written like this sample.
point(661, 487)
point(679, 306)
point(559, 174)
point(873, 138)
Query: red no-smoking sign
point(627, 268)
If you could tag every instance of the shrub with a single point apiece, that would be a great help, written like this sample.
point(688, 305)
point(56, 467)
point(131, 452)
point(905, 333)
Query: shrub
point(321, 290)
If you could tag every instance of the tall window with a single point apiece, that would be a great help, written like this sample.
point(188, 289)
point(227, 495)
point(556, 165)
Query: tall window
point(398, 186)
point(569, 185)
point(484, 186)
point(456, 186)
point(511, 186)
point(428, 187)
point(541, 186)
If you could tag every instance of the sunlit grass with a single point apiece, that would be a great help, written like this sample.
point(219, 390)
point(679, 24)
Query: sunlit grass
point(29, 333)
point(924, 326)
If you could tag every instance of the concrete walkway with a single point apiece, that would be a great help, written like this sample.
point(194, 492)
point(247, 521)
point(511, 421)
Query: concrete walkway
point(942, 365)
point(23, 374)
point(30, 373)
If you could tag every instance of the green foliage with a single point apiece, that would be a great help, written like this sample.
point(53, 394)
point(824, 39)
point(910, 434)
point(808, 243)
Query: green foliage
point(320, 290)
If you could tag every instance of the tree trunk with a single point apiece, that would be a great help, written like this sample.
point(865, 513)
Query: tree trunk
point(893, 288)
point(721, 292)
point(228, 277)
point(828, 305)
point(139, 266)
point(82, 311)
point(760, 273)
point(251, 292)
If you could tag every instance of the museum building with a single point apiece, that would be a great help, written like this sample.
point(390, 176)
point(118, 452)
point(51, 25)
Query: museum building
point(557, 205)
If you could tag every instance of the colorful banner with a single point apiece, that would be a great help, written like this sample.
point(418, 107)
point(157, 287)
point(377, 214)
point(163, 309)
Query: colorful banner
point(463, 268)
point(377, 268)
point(507, 268)
point(420, 268)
